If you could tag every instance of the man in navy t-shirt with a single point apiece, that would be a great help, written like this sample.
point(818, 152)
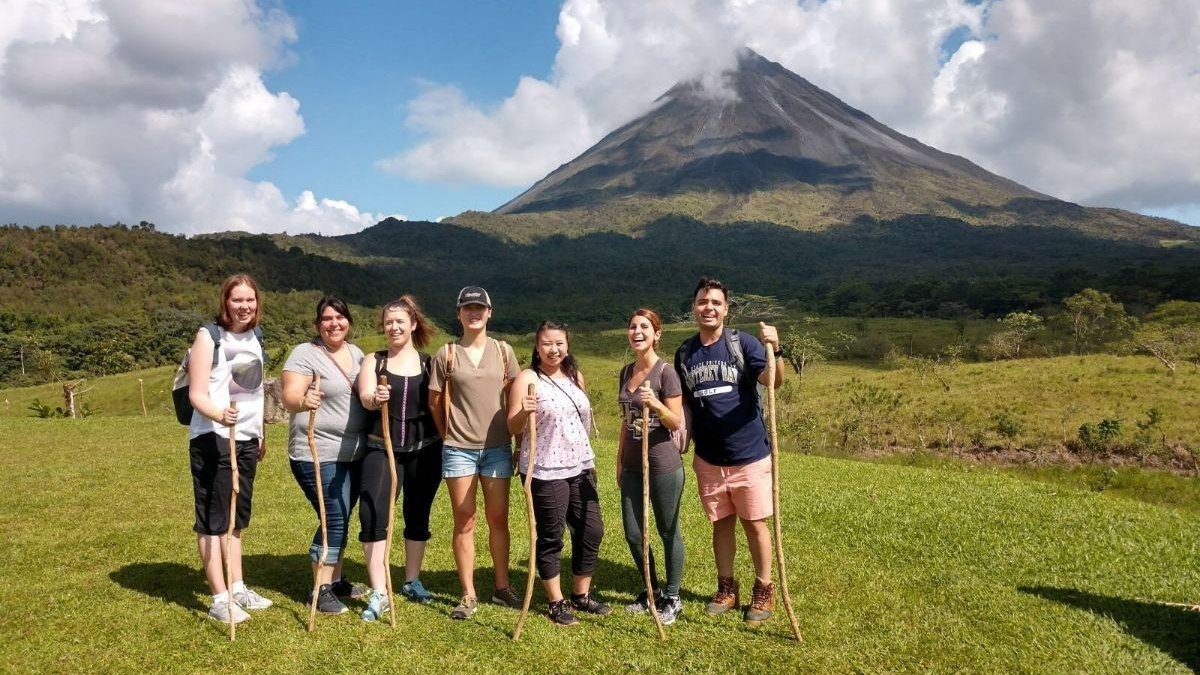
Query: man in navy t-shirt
point(733, 457)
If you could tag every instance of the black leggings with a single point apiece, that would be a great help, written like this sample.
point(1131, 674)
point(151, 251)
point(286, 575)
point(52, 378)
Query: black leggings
point(418, 474)
point(575, 503)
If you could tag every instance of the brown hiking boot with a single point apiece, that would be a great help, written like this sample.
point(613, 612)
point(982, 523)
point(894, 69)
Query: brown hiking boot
point(726, 597)
point(762, 604)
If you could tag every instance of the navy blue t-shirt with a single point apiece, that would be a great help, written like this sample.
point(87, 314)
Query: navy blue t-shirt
point(727, 425)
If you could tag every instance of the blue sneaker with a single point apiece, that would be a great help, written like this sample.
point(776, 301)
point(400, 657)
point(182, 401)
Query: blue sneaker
point(414, 590)
point(377, 606)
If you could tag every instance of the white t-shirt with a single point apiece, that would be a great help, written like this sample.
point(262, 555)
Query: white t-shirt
point(238, 379)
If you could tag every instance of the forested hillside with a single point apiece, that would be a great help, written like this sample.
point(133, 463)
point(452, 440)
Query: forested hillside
point(98, 300)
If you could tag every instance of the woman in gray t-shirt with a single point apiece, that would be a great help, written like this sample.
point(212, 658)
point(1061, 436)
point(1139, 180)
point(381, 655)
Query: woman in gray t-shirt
point(651, 381)
point(339, 432)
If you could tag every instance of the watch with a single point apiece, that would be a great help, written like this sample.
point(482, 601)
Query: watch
point(778, 353)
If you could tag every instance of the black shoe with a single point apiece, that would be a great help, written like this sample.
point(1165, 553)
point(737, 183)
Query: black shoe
point(560, 613)
point(345, 589)
point(641, 605)
point(327, 602)
point(586, 603)
point(669, 608)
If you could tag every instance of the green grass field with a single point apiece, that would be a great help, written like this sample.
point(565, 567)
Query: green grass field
point(912, 563)
point(893, 569)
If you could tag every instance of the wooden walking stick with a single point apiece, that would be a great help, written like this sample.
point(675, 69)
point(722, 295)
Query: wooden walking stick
point(316, 458)
point(142, 395)
point(233, 495)
point(386, 429)
point(646, 519)
point(783, 583)
point(529, 464)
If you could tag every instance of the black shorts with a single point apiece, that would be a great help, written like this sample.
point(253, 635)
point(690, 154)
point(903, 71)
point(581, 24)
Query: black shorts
point(209, 455)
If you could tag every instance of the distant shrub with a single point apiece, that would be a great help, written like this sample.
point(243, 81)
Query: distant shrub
point(1008, 426)
point(44, 411)
point(869, 409)
point(1101, 436)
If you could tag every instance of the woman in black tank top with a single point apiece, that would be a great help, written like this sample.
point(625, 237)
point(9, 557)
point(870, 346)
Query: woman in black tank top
point(399, 376)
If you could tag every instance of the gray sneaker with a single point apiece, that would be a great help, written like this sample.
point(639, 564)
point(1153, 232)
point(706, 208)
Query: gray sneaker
point(506, 598)
point(248, 599)
point(220, 612)
point(465, 608)
point(377, 606)
point(327, 602)
point(669, 608)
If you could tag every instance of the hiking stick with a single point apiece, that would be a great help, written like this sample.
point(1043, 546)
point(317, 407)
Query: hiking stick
point(316, 458)
point(529, 463)
point(142, 395)
point(646, 519)
point(783, 584)
point(386, 429)
point(233, 495)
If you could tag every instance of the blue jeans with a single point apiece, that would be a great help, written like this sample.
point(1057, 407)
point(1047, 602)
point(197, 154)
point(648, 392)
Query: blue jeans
point(339, 483)
point(489, 462)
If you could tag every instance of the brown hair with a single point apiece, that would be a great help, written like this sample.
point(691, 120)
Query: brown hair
point(421, 332)
point(707, 284)
point(651, 316)
point(223, 319)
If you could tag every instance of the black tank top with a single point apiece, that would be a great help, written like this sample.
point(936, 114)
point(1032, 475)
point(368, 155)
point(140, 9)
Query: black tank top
point(415, 420)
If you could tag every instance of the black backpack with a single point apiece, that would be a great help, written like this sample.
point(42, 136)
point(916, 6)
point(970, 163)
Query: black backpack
point(179, 389)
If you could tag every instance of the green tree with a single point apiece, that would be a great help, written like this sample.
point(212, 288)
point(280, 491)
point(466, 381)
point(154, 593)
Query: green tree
point(1094, 318)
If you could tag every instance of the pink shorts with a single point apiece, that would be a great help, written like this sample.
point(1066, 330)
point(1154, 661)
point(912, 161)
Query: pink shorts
point(725, 490)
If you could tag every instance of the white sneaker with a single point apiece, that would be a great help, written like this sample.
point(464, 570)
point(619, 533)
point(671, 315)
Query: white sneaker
point(248, 599)
point(220, 612)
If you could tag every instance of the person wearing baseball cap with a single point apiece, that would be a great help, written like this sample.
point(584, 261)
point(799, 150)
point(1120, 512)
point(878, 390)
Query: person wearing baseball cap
point(468, 393)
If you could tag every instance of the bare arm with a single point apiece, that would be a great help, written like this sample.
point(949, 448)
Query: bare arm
point(520, 404)
point(770, 341)
point(199, 369)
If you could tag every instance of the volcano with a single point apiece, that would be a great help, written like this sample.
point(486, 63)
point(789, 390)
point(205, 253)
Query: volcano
point(770, 146)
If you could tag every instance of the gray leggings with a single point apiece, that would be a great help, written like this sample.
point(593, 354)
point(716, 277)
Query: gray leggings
point(666, 491)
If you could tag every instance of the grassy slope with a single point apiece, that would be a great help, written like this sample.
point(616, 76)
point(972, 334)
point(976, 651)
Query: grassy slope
point(893, 568)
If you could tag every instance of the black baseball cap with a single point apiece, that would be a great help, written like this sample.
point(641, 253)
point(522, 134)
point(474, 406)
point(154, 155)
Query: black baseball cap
point(474, 295)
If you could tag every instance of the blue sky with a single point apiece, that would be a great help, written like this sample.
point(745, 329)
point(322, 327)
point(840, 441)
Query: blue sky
point(273, 115)
point(357, 64)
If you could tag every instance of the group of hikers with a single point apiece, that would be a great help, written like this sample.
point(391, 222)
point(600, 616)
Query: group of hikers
point(452, 417)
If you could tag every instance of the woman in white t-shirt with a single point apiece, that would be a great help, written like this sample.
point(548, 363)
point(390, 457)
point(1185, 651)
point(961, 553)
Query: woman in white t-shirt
point(225, 387)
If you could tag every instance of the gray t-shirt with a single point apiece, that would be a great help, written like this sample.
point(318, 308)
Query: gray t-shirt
point(341, 424)
point(664, 453)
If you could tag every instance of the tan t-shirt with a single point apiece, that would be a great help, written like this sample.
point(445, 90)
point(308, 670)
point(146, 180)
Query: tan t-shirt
point(478, 409)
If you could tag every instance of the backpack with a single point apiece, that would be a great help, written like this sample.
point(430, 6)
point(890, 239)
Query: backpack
point(180, 387)
point(502, 349)
point(733, 344)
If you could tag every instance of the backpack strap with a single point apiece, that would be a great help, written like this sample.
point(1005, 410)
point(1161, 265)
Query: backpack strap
point(214, 331)
point(426, 363)
point(502, 351)
point(733, 343)
point(680, 355)
point(262, 345)
point(446, 383)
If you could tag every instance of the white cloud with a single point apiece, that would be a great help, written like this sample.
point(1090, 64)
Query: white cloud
point(149, 109)
point(1089, 100)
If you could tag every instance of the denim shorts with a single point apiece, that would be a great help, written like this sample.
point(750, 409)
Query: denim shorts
point(489, 462)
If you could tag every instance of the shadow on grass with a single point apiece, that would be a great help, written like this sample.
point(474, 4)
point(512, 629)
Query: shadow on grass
point(170, 581)
point(1173, 630)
